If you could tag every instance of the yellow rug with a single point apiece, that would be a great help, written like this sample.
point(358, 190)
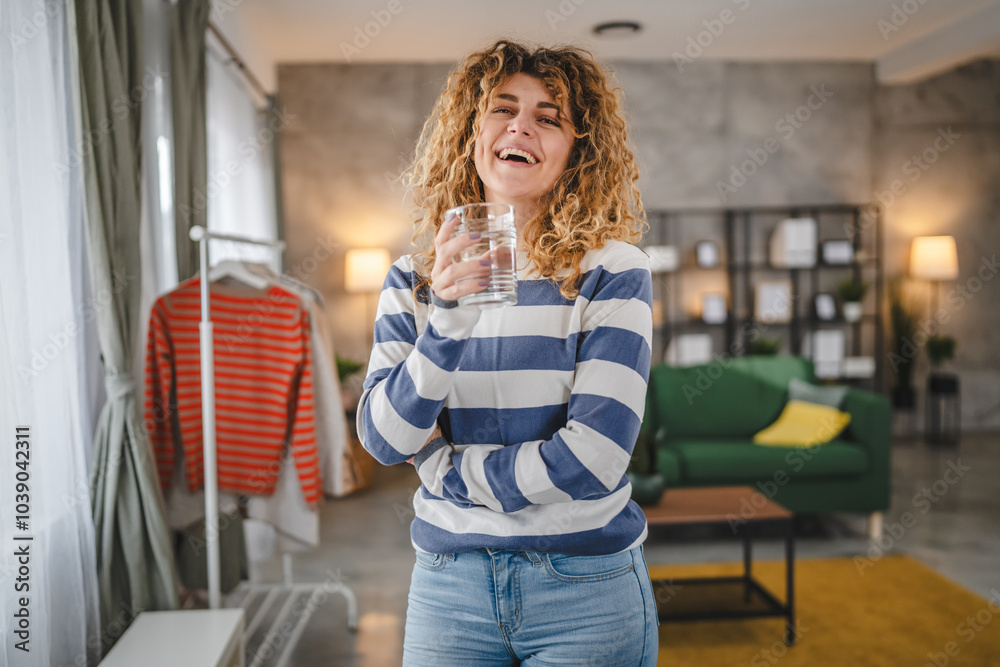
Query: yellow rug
point(896, 613)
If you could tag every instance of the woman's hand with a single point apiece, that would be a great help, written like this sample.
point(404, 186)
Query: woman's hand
point(451, 279)
point(435, 434)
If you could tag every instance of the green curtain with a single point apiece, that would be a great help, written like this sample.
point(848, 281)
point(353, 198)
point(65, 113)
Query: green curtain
point(136, 570)
point(188, 23)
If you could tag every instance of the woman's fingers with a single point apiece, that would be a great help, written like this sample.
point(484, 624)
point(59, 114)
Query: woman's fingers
point(460, 279)
point(446, 248)
point(446, 229)
point(435, 434)
point(452, 277)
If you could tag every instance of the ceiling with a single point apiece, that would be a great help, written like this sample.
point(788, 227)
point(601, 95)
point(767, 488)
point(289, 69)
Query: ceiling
point(906, 39)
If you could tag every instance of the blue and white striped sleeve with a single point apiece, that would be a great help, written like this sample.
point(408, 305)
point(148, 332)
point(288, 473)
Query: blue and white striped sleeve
point(587, 457)
point(409, 375)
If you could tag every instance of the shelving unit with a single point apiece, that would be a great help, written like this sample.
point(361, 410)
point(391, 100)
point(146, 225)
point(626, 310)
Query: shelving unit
point(741, 236)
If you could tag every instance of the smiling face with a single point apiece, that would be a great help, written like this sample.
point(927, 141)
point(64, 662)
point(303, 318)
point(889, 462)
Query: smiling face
point(523, 146)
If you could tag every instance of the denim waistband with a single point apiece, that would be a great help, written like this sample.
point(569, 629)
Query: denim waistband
point(534, 556)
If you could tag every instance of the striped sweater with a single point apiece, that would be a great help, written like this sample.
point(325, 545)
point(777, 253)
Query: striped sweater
point(540, 404)
point(263, 387)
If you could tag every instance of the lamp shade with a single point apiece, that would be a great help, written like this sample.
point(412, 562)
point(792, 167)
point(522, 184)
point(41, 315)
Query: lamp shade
point(934, 258)
point(366, 269)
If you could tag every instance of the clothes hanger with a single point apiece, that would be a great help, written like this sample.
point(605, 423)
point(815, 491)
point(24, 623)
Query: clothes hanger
point(257, 276)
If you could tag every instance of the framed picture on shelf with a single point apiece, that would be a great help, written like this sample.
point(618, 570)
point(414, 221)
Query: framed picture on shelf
point(793, 244)
point(773, 301)
point(826, 349)
point(707, 254)
point(859, 367)
point(825, 307)
point(713, 307)
point(689, 350)
point(838, 252)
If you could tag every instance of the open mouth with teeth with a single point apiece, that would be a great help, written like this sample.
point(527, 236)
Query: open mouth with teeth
point(516, 155)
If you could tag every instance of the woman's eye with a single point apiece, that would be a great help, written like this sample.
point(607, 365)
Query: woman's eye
point(550, 121)
point(502, 110)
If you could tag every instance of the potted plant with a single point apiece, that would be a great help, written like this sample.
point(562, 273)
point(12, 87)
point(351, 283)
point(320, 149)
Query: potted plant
point(851, 292)
point(903, 322)
point(346, 367)
point(940, 349)
point(350, 391)
point(765, 346)
point(943, 412)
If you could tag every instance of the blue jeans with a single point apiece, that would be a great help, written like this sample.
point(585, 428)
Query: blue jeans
point(491, 607)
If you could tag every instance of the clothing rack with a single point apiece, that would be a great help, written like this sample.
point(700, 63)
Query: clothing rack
point(206, 330)
point(202, 236)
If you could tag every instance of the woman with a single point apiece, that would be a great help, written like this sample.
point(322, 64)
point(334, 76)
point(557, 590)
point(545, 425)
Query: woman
point(521, 420)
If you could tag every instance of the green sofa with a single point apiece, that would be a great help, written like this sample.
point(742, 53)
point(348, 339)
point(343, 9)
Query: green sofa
point(698, 431)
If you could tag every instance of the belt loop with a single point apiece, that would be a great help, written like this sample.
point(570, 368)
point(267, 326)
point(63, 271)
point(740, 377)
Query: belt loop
point(534, 557)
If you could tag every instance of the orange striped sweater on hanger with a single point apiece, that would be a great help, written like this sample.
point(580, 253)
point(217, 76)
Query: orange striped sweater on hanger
point(263, 387)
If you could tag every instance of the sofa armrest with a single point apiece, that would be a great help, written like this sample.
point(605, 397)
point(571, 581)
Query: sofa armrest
point(871, 428)
point(644, 453)
point(871, 418)
point(646, 446)
point(647, 484)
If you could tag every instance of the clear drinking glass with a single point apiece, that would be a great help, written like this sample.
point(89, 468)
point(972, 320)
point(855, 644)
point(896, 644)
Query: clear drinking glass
point(498, 240)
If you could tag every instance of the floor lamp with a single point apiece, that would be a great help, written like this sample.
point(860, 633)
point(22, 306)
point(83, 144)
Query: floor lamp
point(365, 272)
point(935, 258)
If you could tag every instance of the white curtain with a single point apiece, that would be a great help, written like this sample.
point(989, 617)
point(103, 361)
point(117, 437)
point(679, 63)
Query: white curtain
point(157, 243)
point(50, 376)
point(240, 191)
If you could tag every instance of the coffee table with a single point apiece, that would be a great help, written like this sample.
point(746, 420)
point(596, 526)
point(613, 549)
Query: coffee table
point(742, 508)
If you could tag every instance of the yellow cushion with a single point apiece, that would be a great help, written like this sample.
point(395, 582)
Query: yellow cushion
point(803, 424)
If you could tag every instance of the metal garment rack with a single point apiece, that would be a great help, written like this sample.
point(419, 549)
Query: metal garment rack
point(206, 329)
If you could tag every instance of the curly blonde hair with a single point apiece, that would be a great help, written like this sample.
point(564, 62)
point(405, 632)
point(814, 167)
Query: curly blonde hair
point(595, 199)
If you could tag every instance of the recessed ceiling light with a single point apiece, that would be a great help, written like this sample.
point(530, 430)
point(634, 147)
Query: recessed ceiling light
point(617, 29)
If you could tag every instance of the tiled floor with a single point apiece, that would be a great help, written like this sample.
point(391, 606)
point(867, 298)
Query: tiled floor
point(366, 545)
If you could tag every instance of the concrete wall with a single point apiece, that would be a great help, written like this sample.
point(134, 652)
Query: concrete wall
point(936, 167)
point(696, 129)
point(350, 132)
point(820, 133)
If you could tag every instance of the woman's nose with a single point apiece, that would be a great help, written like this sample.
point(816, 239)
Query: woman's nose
point(518, 125)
